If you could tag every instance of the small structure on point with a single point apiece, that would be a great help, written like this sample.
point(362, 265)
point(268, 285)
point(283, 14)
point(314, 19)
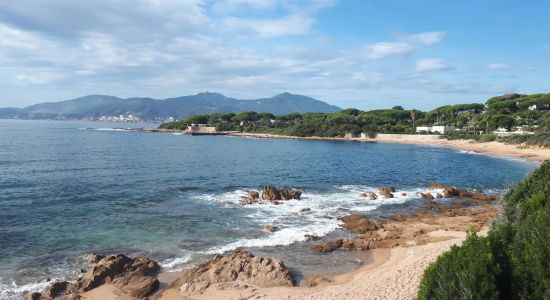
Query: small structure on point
point(201, 129)
point(436, 129)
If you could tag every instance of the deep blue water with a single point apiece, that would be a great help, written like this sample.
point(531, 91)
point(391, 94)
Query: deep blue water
point(69, 188)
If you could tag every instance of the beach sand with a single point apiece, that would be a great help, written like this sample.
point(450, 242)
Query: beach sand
point(392, 274)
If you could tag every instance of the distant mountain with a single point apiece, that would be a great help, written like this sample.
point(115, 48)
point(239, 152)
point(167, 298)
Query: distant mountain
point(96, 106)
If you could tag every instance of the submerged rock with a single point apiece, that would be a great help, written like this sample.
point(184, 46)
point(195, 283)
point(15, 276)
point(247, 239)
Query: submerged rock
point(271, 228)
point(436, 185)
point(328, 246)
point(240, 266)
point(311, 237)
point(387, 191)
point(370, 195)
point(427, 196)
point(317, 280)
point(251, 198)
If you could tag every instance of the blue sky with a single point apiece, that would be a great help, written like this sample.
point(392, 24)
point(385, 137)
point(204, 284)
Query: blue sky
point(363, 54)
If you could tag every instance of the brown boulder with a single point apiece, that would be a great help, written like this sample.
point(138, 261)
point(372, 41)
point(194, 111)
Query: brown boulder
point(271, 228)
point(398, 217)
point(359, 224)
point(450, 192)
point(436, 185)
point(54, 290)
point(122, 271)
point(358, 244)
point(135, 276)
point(239, 266)
point(483, 197)
point(370, 195)
point(328, 246)
point(253, 194)
point(316, 280)
point(251, 198)
point(94, 258)
point(427, 196)
point(311, 237)
point(272, 194)
point(387, 192)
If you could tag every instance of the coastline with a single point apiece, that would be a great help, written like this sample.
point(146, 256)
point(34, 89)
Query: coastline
point(492, 148)
point(392, 273)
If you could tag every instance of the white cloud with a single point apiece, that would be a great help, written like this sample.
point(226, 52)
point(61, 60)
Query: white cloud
point(430, 64)
point(227, 6)
point(426, 38)
point(385, 49)
point(407, 44)
point(498, 66)
point(268, 28)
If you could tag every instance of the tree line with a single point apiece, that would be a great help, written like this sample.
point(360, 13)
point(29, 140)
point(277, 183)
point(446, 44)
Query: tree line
point(504, 111)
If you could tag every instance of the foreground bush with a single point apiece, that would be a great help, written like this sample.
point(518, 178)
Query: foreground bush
point(466, 272)
point(512, 262)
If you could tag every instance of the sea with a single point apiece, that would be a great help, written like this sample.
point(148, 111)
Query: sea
point(69, 188)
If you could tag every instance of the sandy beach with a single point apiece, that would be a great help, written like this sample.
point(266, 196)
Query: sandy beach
point(493, 148)
point(392, 274)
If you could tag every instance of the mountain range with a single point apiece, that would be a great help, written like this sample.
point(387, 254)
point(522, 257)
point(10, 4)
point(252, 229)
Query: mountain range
point(94, 107)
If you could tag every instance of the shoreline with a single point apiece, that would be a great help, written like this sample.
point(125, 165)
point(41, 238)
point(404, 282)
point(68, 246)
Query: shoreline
point(392, 270)
point(535, 154)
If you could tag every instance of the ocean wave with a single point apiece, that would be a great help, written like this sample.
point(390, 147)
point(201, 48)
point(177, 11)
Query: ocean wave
point(171, 263)
point(14, 291)
point(316, 213)
point(103, 129)
point(469, 152)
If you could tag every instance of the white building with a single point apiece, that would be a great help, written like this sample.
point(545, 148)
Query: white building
point(435, 129)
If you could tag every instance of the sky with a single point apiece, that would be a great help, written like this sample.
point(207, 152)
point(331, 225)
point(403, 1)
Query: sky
point(365, 54)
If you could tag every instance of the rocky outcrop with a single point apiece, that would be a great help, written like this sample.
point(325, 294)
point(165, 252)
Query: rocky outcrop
point(450, 192)
point(386, 191)
point(240, 267)
point(316, 280)
point(370, 195)
point(251, 198)
point(479, 195)
point(359, 224)
point(272, 194)
point(271, 228)
point(135, 276)
point(427, 196)
point(328, 246)
point(311, 237)
point(436, 186)
point(54, 290)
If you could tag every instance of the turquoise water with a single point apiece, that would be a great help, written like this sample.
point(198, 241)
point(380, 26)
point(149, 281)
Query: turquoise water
point(70, 188)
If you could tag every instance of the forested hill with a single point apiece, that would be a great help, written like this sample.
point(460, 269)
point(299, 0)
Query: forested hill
point(147, 109)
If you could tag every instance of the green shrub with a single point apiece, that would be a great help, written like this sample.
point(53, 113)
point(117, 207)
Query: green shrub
point(512, 262)
point(520, 200)
point(466, 272)
point(487, 137)
point(529, 255)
